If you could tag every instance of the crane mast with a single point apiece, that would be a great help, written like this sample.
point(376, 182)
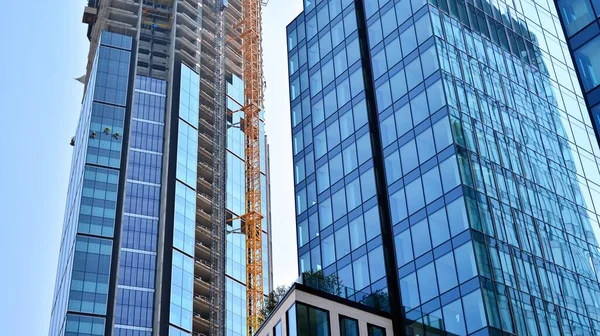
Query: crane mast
point(253, 104)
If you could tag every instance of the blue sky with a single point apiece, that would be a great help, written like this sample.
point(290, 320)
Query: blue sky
point(44, 49)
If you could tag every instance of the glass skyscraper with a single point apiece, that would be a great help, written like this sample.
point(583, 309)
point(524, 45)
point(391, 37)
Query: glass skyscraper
point(581, 26)
point(446, 165)
point(151, 241)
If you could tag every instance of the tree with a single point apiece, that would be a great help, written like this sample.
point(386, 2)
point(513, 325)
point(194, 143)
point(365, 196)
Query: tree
point(379, 300)
point(329, 284)
point(272, 300)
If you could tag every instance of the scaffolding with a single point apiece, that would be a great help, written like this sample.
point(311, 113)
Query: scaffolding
point(218, 238)
point(253, 104)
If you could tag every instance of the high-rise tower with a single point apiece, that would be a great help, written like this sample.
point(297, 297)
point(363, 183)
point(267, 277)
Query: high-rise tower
point(152, 241)
point(445, 164)
point(580, 22)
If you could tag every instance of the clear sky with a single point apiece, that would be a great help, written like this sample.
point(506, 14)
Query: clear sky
point(44, 48)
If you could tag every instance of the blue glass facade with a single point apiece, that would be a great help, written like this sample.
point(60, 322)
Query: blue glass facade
point(235, 288)
point(453, 166)
point(137, 261)
point(184, 221)
point(144, 249)
point(82, 287)
point(581, 24)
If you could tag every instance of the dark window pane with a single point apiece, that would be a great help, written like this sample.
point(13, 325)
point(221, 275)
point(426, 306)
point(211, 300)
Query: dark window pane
point(348, 326)
point(588, 62)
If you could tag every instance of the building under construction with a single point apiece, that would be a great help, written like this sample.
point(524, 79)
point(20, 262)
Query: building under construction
point(167, 226)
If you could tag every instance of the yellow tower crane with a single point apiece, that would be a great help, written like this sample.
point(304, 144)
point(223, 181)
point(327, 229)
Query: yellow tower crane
point(253, 104)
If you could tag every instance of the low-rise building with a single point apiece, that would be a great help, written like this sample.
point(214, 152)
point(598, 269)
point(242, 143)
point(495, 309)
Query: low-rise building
point(305, 311)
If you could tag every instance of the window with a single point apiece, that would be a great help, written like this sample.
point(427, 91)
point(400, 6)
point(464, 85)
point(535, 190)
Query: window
point(429, 61)
point(353, 198)
point(403, 119)
point(293, 63)
point(457, 216)
point(398, 206)
point(311, 27)
point(367, 184)
point(416, 200)
point(408, 156)
point(315, 259)
point(428, 288)
point(89, 280)
point(393, 52)
point(328, 74)
point(360, 114)
point(576, 14)
point(379, 64)
point(449, 173)
point(388, 21)
point(409, 291)
point(467, 267)
point(336, 170)
point(318, 114)
point(343, 92)
point(325, 44)
point(432, 185)
point(384, 96)
point(328, 253)
point(353, 51)
point(350, 23)
point(277, 330)
point(398, 83)
point(420, 234)
point(414, 75)
point(333, 134)
point(304, 263)
point(356, 82)
point(375, 33)
point(348, 326)
point(301, 201)
point(325, 215)
point(357, 232)
point(393, 169)
point(445, 265)
point(339, 204)
point(303, 233)
point(298, 142)
point(388, 131)
point(346, 279)
point(361, 273)
point(315, 83)
point(320, 144)
point(363, 145)
point(438, 224)
point(403, 247)
point(375, 330)
point(342, 242)
point(322, 17)
point(292, 326)
point(403, 11)
point(474, 311)
point(340, 62)
point(376, 264)
point(372, 224)
point(346, 125)
point(350, 158)
point(425, 145)
point(337, 33)
point(454, 321)
point(311, 194)
point(84, 326)
point(311, 321)
point(588, 62)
